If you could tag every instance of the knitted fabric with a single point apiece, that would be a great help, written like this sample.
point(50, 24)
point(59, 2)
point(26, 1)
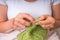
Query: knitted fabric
point(33, 32)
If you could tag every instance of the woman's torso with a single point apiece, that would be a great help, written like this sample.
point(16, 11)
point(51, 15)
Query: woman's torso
point(36, 9)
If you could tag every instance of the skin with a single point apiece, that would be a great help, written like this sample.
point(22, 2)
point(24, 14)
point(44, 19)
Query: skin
point(30, 0)
point(22, 20)
point(45, 21)
point(14, 23)
point(49, 22)
point(56, 14)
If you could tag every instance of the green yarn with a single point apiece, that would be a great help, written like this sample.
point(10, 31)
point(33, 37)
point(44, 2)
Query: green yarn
point(33, 32)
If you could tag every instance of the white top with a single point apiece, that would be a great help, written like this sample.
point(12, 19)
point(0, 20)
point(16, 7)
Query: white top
point(36, 9)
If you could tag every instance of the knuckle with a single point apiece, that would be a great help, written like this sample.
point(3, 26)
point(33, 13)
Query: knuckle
point(26, 14)
point(17, 24)
point(16, 19)
point(27, 23)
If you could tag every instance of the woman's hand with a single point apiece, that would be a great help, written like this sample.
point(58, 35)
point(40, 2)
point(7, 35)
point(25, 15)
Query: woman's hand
point(22, 20)
point(46, 21)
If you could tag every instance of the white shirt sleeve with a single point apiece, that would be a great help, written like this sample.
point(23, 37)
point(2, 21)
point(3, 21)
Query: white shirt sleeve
point(55, 2)
point(3, 2)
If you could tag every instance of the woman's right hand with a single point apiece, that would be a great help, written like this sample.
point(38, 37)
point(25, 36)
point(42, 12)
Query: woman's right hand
point(22, 20)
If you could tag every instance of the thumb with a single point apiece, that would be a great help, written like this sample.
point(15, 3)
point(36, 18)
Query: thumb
point(41, 18)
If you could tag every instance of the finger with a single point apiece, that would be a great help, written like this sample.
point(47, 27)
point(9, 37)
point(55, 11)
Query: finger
point(49, 26)
point(45, 22)
point(24, 22)
point(43, 26)
point(45, 19)
point(46, 27)
point(41, 18)
point(39, 23)
point(27, 17)
point(49, 20)
point(18, 26)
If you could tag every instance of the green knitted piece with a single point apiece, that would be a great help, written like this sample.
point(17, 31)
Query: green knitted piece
point(33, 32)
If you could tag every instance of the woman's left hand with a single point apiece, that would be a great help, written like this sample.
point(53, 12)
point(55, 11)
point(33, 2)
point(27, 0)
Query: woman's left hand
point(46, 21)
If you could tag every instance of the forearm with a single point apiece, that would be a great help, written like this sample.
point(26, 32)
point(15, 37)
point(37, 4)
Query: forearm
point(57, 24)
point(7, 25)
point(56, 14)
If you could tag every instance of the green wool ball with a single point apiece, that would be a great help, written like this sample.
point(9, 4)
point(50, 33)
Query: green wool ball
point(33, 32)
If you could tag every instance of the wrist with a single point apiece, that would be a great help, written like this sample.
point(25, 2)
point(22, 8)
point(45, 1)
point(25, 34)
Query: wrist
point(9, 24)
point(57, 24)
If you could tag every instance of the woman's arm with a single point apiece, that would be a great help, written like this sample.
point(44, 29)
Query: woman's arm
point(19, 22)
point(4, 23)
point(3, 13)
point(56, 13)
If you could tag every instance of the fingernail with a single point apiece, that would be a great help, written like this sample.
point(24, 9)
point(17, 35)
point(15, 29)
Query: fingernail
point(36, 23)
